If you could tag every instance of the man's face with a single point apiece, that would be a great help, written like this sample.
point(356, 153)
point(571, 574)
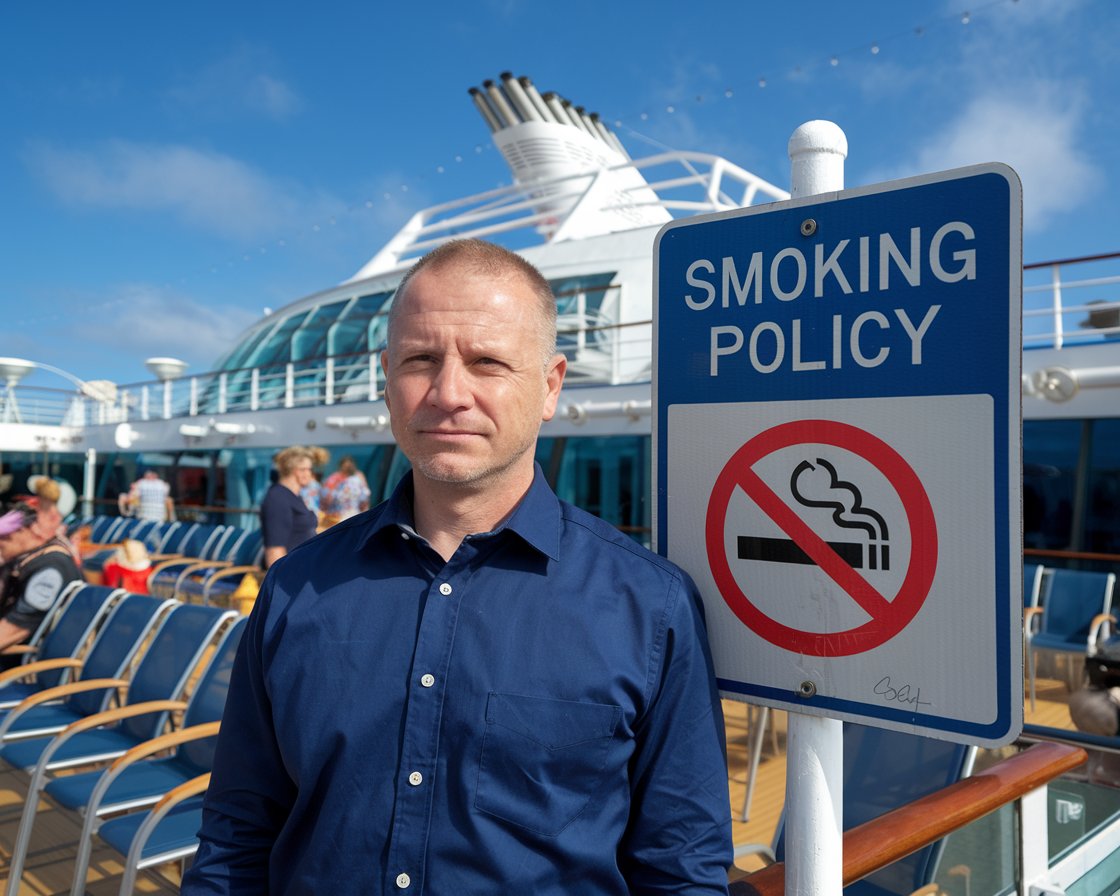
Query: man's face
point(467, 384)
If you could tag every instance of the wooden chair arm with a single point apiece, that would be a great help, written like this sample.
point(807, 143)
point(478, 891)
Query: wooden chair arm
point(157, 559)
point(164, 742)
point(226, 573)
point(1101, 622)
point(108, 716)
point(65, 690)
point(184, 791)
point(169, 562)
point(907, 829)
point(1029, 615)
point(20, 649)
point(28, 669)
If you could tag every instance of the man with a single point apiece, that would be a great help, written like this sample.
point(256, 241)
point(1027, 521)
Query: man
point(38, 566)
point(473, 688)
point(149, 498)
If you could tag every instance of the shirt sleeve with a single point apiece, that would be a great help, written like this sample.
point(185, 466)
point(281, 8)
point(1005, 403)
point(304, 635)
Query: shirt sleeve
point(38, 596)
point(250, 793)
point(679, 837)
point(276, 522)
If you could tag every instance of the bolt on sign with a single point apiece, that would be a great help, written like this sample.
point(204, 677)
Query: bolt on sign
point(837, 448)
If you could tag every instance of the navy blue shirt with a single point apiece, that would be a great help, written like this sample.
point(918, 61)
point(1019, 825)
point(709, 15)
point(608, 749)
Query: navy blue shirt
point(285, 520)
point(537, 715)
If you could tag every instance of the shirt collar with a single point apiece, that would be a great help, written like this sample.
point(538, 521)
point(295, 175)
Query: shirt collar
point(536, 519)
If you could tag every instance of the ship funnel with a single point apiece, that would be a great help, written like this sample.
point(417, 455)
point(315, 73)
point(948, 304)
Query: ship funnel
point(578, 172)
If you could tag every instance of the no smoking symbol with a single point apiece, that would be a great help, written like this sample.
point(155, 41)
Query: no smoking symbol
point(888, 616)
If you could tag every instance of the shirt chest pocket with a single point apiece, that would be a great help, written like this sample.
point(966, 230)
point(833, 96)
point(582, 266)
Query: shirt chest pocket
point(542, 759)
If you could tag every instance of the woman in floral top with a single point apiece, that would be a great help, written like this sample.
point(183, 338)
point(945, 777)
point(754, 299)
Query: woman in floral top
point(345, 493)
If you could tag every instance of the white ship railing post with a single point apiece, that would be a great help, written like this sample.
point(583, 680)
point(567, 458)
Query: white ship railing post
point(289, 385)
point(89, 483)
point(1056, 305)
point(223, 392)
point(328, 382)
point(815, 760)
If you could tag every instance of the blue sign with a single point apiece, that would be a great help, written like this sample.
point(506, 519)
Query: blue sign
point(836, 441)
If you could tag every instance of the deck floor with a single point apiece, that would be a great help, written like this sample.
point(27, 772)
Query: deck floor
point(49, 867)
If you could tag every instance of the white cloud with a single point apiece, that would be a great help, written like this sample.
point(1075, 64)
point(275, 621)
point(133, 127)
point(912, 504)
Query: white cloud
point(210, 191)
point(235, 84)
point(145, 321)
point(1037, 131)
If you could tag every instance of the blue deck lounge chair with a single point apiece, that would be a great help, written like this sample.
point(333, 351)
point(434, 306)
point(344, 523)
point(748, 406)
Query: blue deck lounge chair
point(174, 655)
point(120, 637)
point(136, 780)
point(207, 544)
point(1073, 602)
point(51, 661)
point(168, 833)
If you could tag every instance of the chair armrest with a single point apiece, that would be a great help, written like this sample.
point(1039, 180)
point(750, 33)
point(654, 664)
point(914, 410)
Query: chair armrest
point(1100, 626)
point(157, 559)
point(65, 690)
point(1030, 614)
point(20, 649)
point(56, 693)
point(164, 742)
point(184, 791)
point(28, 669)
point(196, 567)
point(226, 573)
point(170, 562)
point(108, 716)
point(142, 751)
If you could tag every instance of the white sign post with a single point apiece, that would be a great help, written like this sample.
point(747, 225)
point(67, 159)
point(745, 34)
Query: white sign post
point(837, 453)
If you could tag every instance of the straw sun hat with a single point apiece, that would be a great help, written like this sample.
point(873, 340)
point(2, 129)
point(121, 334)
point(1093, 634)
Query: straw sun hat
point(133, 555)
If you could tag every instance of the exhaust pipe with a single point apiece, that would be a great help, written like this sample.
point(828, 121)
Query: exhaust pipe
point(518, 98)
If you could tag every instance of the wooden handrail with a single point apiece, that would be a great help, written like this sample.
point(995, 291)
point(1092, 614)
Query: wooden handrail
point(1070, 555)
point(907, 829)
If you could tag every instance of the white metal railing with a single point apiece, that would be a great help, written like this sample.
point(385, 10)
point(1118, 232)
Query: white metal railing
point(697, 183)
point(1076, 301)
point(1072, 301)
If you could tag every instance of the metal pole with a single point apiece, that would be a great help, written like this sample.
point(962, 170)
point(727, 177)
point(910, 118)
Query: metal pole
point(88, 482)
point(815, 757)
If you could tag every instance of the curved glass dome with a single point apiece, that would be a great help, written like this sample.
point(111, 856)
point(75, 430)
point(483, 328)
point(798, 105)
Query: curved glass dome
point(331, 342)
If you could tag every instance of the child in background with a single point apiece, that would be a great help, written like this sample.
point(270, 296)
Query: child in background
point(129, 569)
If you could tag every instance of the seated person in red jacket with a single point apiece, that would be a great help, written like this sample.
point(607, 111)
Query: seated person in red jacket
point(129, 569)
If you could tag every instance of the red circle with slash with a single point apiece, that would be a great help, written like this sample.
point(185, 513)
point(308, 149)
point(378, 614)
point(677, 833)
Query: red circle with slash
point(888, 617)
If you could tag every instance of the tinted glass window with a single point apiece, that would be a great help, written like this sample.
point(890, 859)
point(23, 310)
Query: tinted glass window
point(1102, 503)
point(1050, 453)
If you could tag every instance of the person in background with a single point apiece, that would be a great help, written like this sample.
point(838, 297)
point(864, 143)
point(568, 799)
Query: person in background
point(49, 492)
point(38, 566)
point(1095, 709)
point(149, 498)
point(475, 688)
point(312, 492)
point(129, 567)
point(285, 520)
point(345, 493)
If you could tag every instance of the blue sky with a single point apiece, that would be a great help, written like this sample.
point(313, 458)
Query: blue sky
point(170, 171)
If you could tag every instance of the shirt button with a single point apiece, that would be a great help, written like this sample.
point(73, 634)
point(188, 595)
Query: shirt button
point(404, 535)
point(427, 680)
point(445, 589)
point(403, 880)
point(415, 779)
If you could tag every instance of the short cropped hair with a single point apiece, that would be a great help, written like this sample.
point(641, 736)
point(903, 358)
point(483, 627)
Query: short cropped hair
point(490, 260)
